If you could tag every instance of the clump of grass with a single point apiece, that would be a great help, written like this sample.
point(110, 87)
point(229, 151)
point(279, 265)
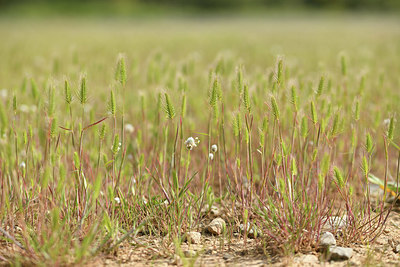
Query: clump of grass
point(289, 152)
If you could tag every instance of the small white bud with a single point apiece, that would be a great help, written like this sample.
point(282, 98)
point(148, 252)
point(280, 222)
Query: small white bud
point(211, 156)
point(117, 200)
point(129, 128)
point(24, 108)
point(22, 165)
point(386, 122)
point(3, 93)
point(214, 148)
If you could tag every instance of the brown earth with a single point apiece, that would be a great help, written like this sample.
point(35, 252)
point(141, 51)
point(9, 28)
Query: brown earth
point(215, 251)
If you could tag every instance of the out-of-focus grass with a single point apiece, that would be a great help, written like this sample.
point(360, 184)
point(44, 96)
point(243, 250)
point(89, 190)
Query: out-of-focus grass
point(66, 190)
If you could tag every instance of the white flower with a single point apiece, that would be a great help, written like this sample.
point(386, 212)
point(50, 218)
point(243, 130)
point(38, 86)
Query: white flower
point(386, 122)
point(190, 143)
point(24, 108)
point(214, 148)
point(211, 156)
point(117, 200)
point(118, 148)
point(22, 165)
point(129, 128)
point(3, 93)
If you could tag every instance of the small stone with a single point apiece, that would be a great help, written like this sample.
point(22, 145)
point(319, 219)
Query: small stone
point(227, 257)
point(208, 252)
point(340, 253)
point(189, 253)
point(307, 260)
point(212, 211)
point(177, 260)
point(397, 249)
point(193, 237)
point(252, 232)
point(334, 222)
point(327, 239)
point(216, 226)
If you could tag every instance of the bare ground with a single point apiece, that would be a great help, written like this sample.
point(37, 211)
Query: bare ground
point(215, 251)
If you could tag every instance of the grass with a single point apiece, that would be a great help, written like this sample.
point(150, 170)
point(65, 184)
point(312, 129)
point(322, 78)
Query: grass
point(96, 119)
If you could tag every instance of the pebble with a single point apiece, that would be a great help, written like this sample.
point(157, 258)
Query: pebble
point(193, 237)
point(307, 259)
point(334, 222)
point(227, 257)
point(189, 253)
point(397, 249)
point(340, 253)
point(216, 226)
point(252, 232)
point(327, 239)
point(213, 211)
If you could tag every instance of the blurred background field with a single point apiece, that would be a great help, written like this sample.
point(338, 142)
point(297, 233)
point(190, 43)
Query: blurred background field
point(341, 57)
point(188, 7)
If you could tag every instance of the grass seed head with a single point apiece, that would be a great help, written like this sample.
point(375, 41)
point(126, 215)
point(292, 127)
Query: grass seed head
point(275, 108)
point(83, 98)
point(168, 107)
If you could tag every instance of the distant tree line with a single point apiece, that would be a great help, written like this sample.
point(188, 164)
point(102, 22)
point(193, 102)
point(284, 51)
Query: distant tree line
point(343, 4)
point(231, 4)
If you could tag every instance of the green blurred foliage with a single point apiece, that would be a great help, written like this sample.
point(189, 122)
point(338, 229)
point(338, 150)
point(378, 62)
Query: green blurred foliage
point(140, 6)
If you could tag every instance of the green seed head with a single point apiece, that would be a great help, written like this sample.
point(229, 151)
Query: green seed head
point(54, 128)
point(67, 92)
point(246, 98)
point(365, 167)
point(112, 104)
point(279, 75)
point(390, 130)
point(237, 124)
point(239, 79)
point(15, 104)
point(275, 108)
point(314, 117)
point(116, 145)
point(339, 177)
point(321, 86)
point(83, 91)
point(304, 127)
point(294, 99)
point(168, 107)
point(369, 143)
point(120, 72)
point(102, 131)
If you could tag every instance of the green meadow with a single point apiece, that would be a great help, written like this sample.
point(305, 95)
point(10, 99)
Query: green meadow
point(97, 115)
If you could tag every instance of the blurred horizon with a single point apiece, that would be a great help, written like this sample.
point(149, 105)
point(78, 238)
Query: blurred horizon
point(138, 8)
